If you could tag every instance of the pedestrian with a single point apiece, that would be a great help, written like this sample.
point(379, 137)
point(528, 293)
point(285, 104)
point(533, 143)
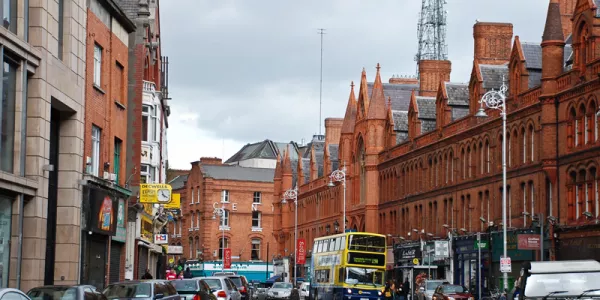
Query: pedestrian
point(399, 291)
point(387, 292)
point(147, 275)
point(188, 273)
point(406, 288)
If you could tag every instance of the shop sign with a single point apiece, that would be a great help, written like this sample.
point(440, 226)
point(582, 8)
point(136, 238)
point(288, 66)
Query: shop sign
point(481, 244)
point(511, 246)
point(155, 193)
point(442, 249)
point(146, 233)
point(175, 250)
point(161, 239)
point(103, 212)
point(175, 202)
point(121, 235)
point(217, 205)
point(579, 248)
point(528, 242)
point(407, 251)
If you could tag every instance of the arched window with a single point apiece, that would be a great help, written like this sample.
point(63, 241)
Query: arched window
point(451, 167)
point(197, 247)
point(223, 244)
point(591, 123)
point(582, 194)
point(191, 245)
point(487, 155)
point(532, 197)
point(581, 126)
point(532, 140)
point(524, 145)
point(508, 150)
point(255, 250)
point(482, 158)
point(572, 128)
point(582, 47)
point(593, 187)
point(362, 170)
point(180, 224)
point(191, 221)
point(464, 164)
point(197, 219)
point(572, 196)
point(524, 205)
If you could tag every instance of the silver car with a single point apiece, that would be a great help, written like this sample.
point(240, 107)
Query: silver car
point(280, 290)
point(426, 292)
point(222, 287)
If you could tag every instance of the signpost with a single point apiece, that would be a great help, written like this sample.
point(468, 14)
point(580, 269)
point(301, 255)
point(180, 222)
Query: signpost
point(227, 258)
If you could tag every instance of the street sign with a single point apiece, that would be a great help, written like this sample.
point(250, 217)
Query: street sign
point(175, 202)
point(484, 244)
point(415, 261)
point(350, 230)
point(155, 193)
point(441, 249)
point(505, 265)
point(227, 258)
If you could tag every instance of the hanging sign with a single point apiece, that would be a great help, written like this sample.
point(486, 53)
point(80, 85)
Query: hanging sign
point(227, 258)
point(301, 249)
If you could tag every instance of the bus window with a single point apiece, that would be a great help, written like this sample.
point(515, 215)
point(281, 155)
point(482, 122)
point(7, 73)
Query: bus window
point(315, 247)
point(338, 243)
point(341, 275)
point(366, 243)
point(326, 246)
point(364, 276)
point(343, 243)
point(320, 249)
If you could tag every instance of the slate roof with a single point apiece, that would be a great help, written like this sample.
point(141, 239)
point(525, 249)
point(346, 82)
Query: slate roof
point(459, 113)
point(237, 173)
point(426, 107)
point(399, 94)
point(318, 146)
point(400, 120)
point(333, 156)
point(306, 170)
point(178, 182)
point(492, 75)
point(458, 93)
point(266, 149)
point(533, 55)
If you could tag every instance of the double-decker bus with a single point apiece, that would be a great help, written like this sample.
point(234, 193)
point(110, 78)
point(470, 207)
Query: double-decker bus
point(348, 266)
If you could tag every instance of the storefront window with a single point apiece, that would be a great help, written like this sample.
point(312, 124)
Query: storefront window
point(8, 117)
point(5, 220)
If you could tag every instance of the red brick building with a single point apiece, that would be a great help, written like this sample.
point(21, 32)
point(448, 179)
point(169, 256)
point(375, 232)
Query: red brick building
point(105, 141)
point(420, 164)
point(247, 196)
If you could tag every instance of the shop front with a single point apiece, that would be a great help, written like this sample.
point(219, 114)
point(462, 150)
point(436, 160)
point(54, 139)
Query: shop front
point(517, 256)
point(579, 244)
point(407, 258)
point(117, 245)
point(436, 258)
point(5, 232)
point(470, 260)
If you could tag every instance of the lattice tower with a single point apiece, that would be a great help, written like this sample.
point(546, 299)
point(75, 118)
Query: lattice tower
point(431, 32)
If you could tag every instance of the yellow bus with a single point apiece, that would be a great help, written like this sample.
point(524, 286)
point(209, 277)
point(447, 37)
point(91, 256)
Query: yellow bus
point(348, 266)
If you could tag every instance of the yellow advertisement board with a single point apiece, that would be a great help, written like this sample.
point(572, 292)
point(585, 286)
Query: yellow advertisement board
point(155, 193)
point(175, 202)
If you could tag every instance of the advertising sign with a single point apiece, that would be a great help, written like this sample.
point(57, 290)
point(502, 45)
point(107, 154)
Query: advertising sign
point(103, 212)
point(146, 231)
point(121, 231)
point(301, 249)
point(155, 193)
point(174, 250)
point(175, 202)
point(161, 239)
point(528, 242)
point(227, 258)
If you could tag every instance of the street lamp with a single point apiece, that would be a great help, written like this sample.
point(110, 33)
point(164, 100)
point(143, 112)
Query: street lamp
point(220, 212)
point(497, 100)
point(336, 226)
point(292, 194)
point(340, 176)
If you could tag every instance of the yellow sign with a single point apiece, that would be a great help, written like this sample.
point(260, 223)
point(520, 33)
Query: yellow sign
point(415, 261)
point(146, 232)
point(155, 193)
point(171, 260)
point(175, 202)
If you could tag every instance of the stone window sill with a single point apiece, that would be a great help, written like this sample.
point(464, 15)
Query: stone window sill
point(98, 88)
point(256, 229)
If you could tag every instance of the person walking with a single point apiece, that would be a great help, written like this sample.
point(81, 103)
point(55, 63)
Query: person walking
point(188, 273)
point(406, 288)
point(387, 292)
point(147, 275)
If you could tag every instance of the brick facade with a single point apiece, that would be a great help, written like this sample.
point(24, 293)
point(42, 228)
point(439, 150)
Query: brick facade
point(200, 232)
point(452, 174)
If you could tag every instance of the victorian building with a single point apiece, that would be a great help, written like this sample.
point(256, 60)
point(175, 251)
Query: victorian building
point(421, 166)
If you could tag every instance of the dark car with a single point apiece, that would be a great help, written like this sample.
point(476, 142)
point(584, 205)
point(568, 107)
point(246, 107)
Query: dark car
point(145, 289)
point(193, 289)
point(242, 284)
point(61, 292)
point(451, 292)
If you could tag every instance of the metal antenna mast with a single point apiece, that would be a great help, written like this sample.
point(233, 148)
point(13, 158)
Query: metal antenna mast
point(321, 32)
point(431, 32)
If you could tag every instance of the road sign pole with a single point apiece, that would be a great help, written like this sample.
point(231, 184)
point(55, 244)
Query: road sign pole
point(479, 265)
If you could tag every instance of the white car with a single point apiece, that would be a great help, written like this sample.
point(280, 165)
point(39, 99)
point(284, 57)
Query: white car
point(304, 290)
point(222, 287)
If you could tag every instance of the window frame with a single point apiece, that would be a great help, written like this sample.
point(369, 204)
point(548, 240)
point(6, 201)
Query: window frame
point(225, 196)
point(258, 218)
point(96, 149)
point(149, 114)
point(257, 196)
point(253, 242)
point(97, 78)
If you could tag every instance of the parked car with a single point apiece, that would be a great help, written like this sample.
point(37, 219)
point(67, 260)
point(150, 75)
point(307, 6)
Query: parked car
point(223, 273)
point(222, 287)
point(242, 285)
point(280, 290)
point(426, 292)
point(260, 291)
point(452, 292)
point(304, 290)
point(13, 294)
point(193, 289)
point(145, 289)
point(62, 292)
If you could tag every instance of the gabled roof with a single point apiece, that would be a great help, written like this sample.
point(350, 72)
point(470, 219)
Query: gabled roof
point(426, 107)
point(178, 182)
point(266, 149)
point(237, 173)
point(458, 93)
point(492, 75)
point(398, 93)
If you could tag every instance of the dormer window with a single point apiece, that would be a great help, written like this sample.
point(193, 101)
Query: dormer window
point(515, 81)
point(582, 47)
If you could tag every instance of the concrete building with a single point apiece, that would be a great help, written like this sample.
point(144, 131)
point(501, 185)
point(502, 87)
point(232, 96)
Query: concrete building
point(107, 63)
point(147, 116)
point(421, 165)
point(42, 47)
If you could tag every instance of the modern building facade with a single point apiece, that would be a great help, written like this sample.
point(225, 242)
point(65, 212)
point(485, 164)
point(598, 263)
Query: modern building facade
point(104, 194)
point(43, 58)
point(420, 166)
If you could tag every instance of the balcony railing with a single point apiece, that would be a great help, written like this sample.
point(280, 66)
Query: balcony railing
point(149, 86)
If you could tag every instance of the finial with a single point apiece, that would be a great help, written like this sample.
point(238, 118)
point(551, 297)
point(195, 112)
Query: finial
point(352, 84)
point(378, 67)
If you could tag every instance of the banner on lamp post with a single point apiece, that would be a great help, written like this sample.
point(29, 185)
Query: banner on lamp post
point(301, 250)
point(227, 258)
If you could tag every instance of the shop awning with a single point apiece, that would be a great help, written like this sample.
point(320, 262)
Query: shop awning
point(273, 279)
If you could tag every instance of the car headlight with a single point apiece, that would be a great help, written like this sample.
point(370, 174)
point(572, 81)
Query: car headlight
point(451, 298)
point(349, 291)
point(379, 293)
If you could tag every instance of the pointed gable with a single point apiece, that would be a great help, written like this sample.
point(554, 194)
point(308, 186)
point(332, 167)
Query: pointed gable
point(377, 107)
point(363, 98)
point(414, 125)
point(350, 117)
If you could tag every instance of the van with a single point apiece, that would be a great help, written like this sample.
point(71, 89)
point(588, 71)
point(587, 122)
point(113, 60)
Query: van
point(559, 279)
point(304, 290)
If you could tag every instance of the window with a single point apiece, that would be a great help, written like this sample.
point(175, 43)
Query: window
point(148, 123)
point(9, 15)
point(197, 194)
point(225, 219)
point(255, 252)
point(61, 29)
point(7, 125)
point(117, 159)
point(97, 64)
point(192, 197)
point(191, 221)
point(256, 219)
point(147, 174)
point(257, 197)
point(5, 226)
point(96, 131)
point(197, 220)
point(224, 196)
point(223, 244)
point(179, 234)
point(119, 79)
point(532, 137)
point(191, 244)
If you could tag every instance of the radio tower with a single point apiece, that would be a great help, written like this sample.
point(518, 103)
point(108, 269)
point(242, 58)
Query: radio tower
point(431, 32)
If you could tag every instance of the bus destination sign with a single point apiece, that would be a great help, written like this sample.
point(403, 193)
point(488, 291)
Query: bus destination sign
point(367, 259)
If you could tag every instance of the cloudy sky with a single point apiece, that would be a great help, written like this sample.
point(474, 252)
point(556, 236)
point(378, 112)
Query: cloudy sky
point(242, 71)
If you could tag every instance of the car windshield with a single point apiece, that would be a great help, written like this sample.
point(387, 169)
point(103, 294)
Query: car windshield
point(185, 285)
point(453, 289)
point(214, 284)
point(53, 293)
point(237, 281)
point(137, 290)
point(432, 285)
point(563, 284)
point(364, 276)
point(282, 285)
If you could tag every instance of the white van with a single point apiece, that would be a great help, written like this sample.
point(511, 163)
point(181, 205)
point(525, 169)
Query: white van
point(304, 290)
point(560, 279)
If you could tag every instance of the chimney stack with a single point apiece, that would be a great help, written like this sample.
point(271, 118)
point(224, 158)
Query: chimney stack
point(493, 42)
point(333, 130)
point(431, 73)
point(403, 80)
point(211, 161)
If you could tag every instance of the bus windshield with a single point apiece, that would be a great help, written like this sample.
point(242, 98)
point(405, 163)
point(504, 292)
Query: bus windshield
point(562, 285)
point(364, 276)
point(367, 243)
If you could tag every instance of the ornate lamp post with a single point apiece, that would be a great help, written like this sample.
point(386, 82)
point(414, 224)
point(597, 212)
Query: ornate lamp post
point(497, 100)
point(220, 212)
point(292, 194)
point(340, 176)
